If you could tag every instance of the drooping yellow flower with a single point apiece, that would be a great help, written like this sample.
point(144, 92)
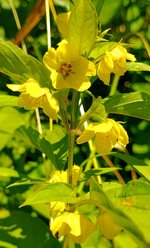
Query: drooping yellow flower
point(107, 134)
point(114, 62)
point(75, 226)
point(68, 68)
point(61, 176)
point(33, 96)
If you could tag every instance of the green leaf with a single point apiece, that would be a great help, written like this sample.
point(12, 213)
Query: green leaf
point(33, 137)
point(83, 26)
point(98, 5)
point(109, 10)
point(97, 109)
point(136, 66)
point(8, 172)
point(143, 171)
point(15, 63)
point(136, 104)
point(6, 100)
point(133, 200)
point(21, 229)
point(53, 192)
point(128, 158)
point(95, 172)
point(119, 217)
point(7, 127)
point(100, 48)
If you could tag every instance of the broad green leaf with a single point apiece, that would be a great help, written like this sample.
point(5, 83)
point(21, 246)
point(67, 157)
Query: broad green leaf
point(15, 63)
point(83, 26)
point(143, 171)
point(33, 137)
point(8, 172)
point(128, 158)
point(133, 200)
point(21, 230)
point(52, 192)
point(6, 100)
point(136, 104)
point(117, 214)
point(136, 66)
point(98, 5)
point(10, 120)
point(109, 10)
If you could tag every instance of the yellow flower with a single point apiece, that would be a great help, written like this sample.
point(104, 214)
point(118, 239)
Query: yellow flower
point(114, 62)
point(75, 226)
point(68, 68)
point(61, 176)
point(33, 96)
point(107, 134)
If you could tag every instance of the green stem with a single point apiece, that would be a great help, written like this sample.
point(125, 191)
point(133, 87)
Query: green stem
point(114, 85)
point(71, 136)
point(71, 139)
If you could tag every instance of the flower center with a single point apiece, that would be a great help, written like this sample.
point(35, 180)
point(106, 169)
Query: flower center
point(66, 69)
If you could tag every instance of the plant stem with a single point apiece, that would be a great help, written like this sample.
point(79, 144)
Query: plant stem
point(114, 85)
point(71, 136)
point(109, 162)
point(71, 139)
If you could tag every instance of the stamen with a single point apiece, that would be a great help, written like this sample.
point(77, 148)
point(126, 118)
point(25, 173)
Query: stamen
point(66, 69)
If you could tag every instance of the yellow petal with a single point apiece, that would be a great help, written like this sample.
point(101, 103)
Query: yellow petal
point(28, 102)
point(50, 106)
point(85, 136)
point(123, 138)
point(76, 172)
point(34, 90)
point(131, 57)
point(105, 142)
point(58, 176)
point(49, 59)
point(17, 87)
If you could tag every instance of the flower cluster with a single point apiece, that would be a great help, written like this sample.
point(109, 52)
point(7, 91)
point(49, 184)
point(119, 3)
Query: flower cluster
point(33, 96)
point(107, 134)
point(71, 224)
point(114, 62)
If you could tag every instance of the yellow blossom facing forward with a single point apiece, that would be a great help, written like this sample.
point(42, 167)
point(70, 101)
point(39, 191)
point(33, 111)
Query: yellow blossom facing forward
point(75, 226)
point(33, 96)
point(107, 134)
point(68, 68)
point(114, 62)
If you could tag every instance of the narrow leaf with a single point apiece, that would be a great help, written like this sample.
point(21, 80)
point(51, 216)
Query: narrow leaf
point(136, 104)
point(128, 158)
point(136, 66)
point(83, 26)
point(52, 192)
point(15, 63)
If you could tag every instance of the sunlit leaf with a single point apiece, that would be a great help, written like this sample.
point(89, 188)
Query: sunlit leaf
point(19, 65)
point(6, 100)
point(117, 213)
point(8, 172)
point(52, 192)
point(83, 26)
point(136, 104)
point(133, 200)
point(136, 66)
